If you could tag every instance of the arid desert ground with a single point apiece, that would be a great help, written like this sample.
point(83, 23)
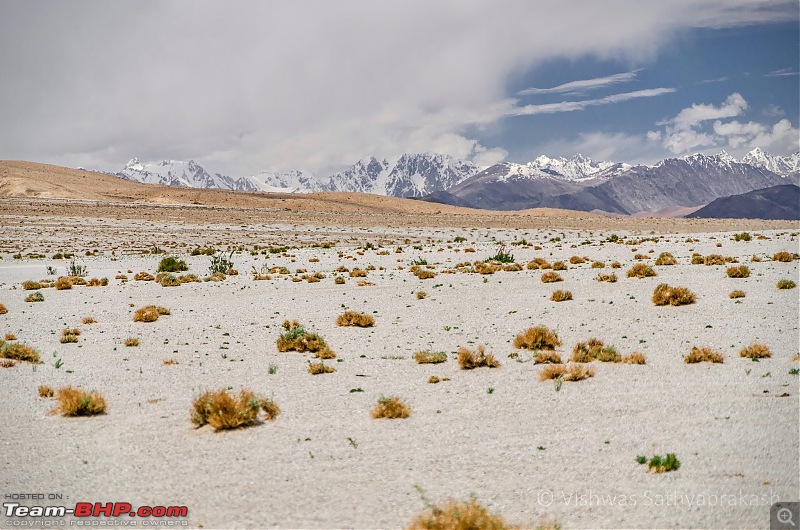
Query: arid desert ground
point(529, 450)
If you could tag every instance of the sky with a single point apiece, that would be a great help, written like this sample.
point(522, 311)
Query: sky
point(247, 86)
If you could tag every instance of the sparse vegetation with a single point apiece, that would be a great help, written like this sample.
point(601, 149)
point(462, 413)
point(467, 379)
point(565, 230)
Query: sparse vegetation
point(63, 283)
point(744, 236)
point(391, 408)
point(353, 318)
point(149, 313)
point(296, 338)
point(223, 410)
point(320, 368)
point(666, 295)
point(172, 264)
point(573, 372)
point(550, 277)
point(641, 270)
point(665, 258)
point(469, 359)
point(131, 342)
point(783, 256)
point(35, 297)
point(460, 515)
point(561, 296)
point(88, 320)
point(537, 338)
point(46, 391)
point(502, 255)
point(663, 464)
point(575, 260)
point(610, 278)
point(430, 357)
point(19, 351)
point(634, 358)
point(740, 271)
point(703, 355)
point(70, 335)
point(559, 266)
point(76, 402)
point(736, 294)
point(547, 357)
point(594, 350)
point(3, 309)
point(421, 295)
point(755, 351)
point(785, 284)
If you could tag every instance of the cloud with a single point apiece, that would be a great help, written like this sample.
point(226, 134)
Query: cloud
point(783, 72)
point(571, 106)
point(688, 130)
point(600, 145)
point(582, 85)
point(313, 84)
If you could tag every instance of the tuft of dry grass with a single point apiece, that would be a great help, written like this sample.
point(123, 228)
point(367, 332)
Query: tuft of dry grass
point(756, 351)
point(433, 380)
point(537, 338)
point(353, 318)
point(170, 362)
point(665, 258)
point(634, 358)
point(575, 260)
point(63, 283)
point(783, 256)
point(7, 363)
point(76, 402)
point(561, 296)
point(8, 336)
point(550, 277)
point(666, 295)
point(131, 341)
point(223, 410)
point(296, 338)
point(461, 515)
point(560, 266)
point(69, 335)
point(358, 273)
point(320, 368)
point(598, 264)
point(391, 408)
point(703, 355)
point(594, 350)
point(430, 357)
point(3, 309)
point(610, 278)
point(547, 357)
point(576, 372)
point(19, 351)
point(537, 263)
point(149, 313)
point(552, 371)
point(714, 259)
point(736, 294)
point(46, 391)
point(469, 359)
point(785, 284)
point(143, 277)
point(339, 280)
point(30, 285)
point(35, 297)
point(740, 271)
point(424, 274)
point(88, 320)
point(640, 270)
point(421, 295)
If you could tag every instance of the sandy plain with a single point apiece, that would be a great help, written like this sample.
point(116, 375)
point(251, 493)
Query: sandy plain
point(525, 450)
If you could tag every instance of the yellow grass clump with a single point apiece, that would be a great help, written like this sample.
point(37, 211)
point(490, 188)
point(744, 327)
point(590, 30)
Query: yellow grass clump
point(296, 338)
point(783, 256)
point(755, 351)
point(88, 320)
point(469, 359)
point(430, 357)
point(149, 313)
point(610, 278)
point(320, 368)
point(460, 515)
point(19, 351)
point(561, 296)
point(537, 263)
point(736, 294)
point(63, 283)
point(353, 318)
point(740, 271)
point(358, 273)
point(537, 338)
point(785, 284)
point(575, 260)
point(594, 350)
point(550, 277)
point(703, 355)
point(634, 358)
point(76, 402)
point(30, 285)
point(3, 309)
point(560, 266)
point(573, 372)
point(223, 410)
point(46, 391)
point(131, 342)
point(547, 357)
point(421, 295)
point(391, 408)
point(35, 297)
point(714, 259)
point(640, 270)
point(665, 258)
point(666, 295)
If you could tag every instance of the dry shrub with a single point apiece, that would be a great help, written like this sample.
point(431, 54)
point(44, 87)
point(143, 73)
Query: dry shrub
point(703, 355)
point(782, 256)
point(358, 273)
point(122, 277)
point(575, 260)
point(353, 318)
point(598, 264)
point(550, 277)
point(424, 274)
point(320, 368)
point(665, 258)
point(296, 338)
point(610, 278)
point(149, 313)
point(19, 351)
point(576, 372)
point(537, 263)
point(433, 380)
point(547, 357)
point(88, 320)
point(560, 266)
point(552, 371)
point(430, 357)
point(7, 363)
point(594, 350)
point(714, 259)
point(640, 270)
point(97, 282)
point(421, 295)
point(8, 336)
point(223, 410)
point(616, 265)
point(46, 391)
point(469, 359)
point(170, 362)
point(339, 280)
point(512, 267)
point(189, 278)
point(459, 515)
point(76, 402)
point(131, 341)
point(63, 283)
point(741, 271)
point(785, 284)
point(537, 338)
point(634, 358)
point(698, 259)
point(3, 309)
point(485, 268)
point(30, 285)
point(561, 296)
point(756, 351)
point(666, 295)
point(736, 294)
point(35, 297)
point(391, 408)
point(144, 277)
point(640, 256)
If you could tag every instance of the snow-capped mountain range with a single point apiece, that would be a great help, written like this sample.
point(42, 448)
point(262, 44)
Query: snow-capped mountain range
point(420, 175)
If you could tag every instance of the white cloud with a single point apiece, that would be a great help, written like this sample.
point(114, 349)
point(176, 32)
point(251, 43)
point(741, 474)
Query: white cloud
point(571, 106)
point(696, 114)
point(582, 85)
point(783, 72)
point(313, 84)
point(599, 145)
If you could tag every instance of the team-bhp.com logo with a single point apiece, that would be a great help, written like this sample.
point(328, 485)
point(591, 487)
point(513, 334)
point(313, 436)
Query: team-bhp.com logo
point(96, 509)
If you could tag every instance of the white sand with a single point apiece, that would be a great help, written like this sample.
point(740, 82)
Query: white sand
point(732, 433)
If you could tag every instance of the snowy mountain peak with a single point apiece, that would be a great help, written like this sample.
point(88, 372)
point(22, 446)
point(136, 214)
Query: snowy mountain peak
point(782, 165)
